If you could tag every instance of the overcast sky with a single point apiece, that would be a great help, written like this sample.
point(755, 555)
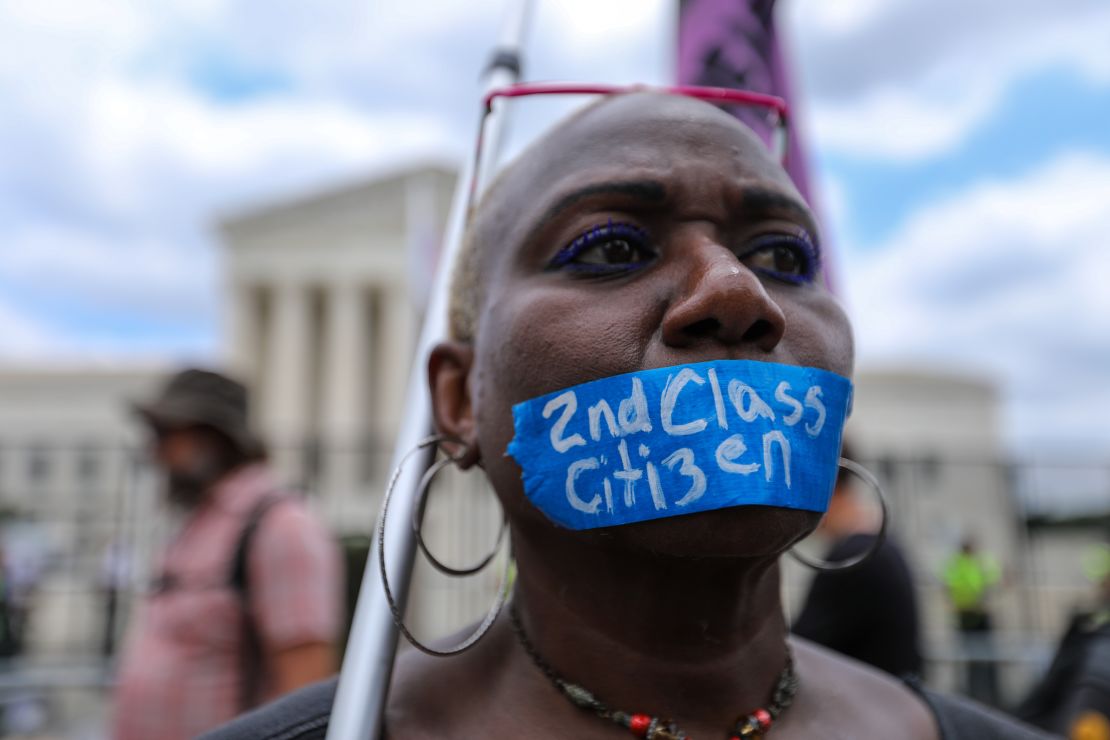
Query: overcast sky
point(961, 147)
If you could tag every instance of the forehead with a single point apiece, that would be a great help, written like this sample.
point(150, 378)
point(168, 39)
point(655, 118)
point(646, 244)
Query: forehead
point(664, 138)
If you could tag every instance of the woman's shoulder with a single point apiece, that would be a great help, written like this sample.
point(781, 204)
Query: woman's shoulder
point(843, 695)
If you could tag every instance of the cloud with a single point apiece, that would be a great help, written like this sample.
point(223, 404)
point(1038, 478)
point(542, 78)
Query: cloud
point(115, 165)
point(894, 124)
point(94, 273)
point(21, 337)
point(114, 215)
point(838, 18)
point(909, 80)
point(1008, 278)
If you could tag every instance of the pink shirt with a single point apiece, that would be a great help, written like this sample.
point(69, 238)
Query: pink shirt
point(181, 670)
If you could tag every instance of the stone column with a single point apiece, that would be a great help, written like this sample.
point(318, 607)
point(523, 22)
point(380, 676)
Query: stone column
point(399, 335)
point(242, 338)
point(344, 377)
point(286, 392)
point(423, 236)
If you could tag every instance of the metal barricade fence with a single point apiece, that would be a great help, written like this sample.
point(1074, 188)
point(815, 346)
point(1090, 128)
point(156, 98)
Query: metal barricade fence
point(79, 522)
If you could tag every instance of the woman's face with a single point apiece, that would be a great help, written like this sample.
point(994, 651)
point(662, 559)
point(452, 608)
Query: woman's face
point(651, 231)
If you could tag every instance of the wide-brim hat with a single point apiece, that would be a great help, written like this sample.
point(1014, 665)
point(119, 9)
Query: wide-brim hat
point(203, 398)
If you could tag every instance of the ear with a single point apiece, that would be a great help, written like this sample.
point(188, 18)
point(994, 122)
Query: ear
point(449, 367)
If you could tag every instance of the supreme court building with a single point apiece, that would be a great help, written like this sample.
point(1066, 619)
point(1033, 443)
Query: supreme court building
point(325, 299)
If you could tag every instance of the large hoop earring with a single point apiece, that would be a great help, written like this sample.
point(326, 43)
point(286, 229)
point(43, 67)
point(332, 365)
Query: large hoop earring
point(828, 566)
point(418, 517)
point(502, 588)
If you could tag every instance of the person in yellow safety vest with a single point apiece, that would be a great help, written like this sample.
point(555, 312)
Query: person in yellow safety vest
point(1096, 566)
point(968, 577)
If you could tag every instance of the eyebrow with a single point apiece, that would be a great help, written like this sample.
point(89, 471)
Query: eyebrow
point(763, 200)
point(649, 191)
point(755, 199)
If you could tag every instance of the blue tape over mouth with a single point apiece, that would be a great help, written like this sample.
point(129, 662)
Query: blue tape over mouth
point(683, 439)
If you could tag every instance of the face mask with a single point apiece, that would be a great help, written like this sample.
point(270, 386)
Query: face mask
point(684, 439)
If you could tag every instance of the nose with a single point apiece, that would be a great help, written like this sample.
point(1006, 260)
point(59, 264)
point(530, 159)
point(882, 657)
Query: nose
point(721, 300)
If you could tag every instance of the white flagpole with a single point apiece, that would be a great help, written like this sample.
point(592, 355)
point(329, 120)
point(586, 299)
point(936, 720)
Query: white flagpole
point(363, 689)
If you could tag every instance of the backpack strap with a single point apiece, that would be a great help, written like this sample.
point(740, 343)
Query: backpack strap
point(250, 653)
point(238, 579)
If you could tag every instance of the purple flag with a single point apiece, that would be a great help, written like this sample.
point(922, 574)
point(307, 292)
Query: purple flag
point(732, 43)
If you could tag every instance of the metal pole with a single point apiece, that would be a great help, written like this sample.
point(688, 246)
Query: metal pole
point(360, 699)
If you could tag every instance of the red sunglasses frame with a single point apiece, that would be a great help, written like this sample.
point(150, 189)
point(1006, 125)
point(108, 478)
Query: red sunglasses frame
point(776, 108)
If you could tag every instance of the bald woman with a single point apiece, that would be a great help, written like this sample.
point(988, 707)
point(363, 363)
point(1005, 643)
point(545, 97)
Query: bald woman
point(648, 235)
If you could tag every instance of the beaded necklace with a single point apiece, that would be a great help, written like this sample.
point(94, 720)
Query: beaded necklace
point(751, 726)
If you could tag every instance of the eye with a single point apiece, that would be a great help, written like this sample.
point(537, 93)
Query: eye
point(609, 249)
point(787, 257)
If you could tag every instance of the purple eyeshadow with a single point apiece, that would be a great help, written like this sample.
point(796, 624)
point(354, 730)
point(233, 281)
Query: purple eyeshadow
point(593, 237)
point(796, 241)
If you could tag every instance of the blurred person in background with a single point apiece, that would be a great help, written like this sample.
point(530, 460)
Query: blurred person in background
point(868, 612)
point(1073, 697)
point(968, 578)
point(247, 602)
